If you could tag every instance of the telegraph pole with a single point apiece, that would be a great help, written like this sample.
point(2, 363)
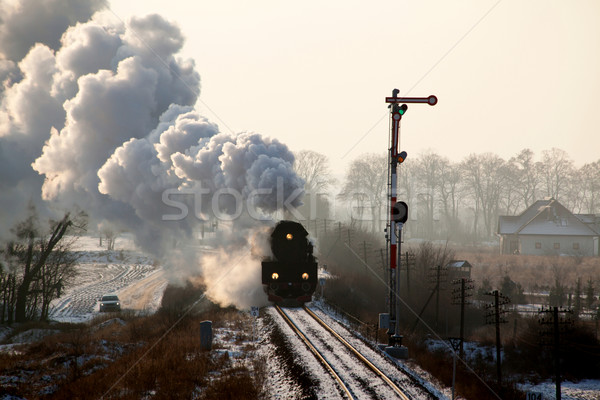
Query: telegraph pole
point(556, 324)
point(460, 296)
point(497, 313)
point(398, 214)
point(439, 276)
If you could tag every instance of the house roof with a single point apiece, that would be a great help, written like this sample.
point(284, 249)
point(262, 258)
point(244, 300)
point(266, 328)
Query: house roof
point(459, 264)
point(545, 217)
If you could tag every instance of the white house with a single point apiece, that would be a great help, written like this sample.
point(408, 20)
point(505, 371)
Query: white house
point(548, 228)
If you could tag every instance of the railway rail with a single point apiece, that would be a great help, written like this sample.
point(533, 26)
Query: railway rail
point(355, 380)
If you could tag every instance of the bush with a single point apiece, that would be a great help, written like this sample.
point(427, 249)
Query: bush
point(132, 358)
point(533, 355)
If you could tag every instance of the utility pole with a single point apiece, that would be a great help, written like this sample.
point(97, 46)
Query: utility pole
point(437, 297)
point(551, 318)
point(407, 263)
point(398, 213)
point(438, 275)
point(460, 297)
point(495, 316)
point(455, 343)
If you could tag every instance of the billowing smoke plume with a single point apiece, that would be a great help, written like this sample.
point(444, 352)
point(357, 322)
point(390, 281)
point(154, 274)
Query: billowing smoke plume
point(104, 120)
point(186, 174)
point(30, 33)
point(26, 22)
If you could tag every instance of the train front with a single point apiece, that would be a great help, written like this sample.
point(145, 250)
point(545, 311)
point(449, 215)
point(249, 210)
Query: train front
point(291, 276)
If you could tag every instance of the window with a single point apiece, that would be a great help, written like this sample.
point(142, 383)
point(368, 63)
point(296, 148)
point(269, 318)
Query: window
point(538, 245)
point(556, 246)
point(575, 246)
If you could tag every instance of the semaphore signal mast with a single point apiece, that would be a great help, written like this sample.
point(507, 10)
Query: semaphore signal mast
point(397, 216)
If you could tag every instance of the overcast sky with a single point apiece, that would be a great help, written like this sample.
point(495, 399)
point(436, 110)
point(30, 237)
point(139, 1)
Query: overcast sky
point(508, 74)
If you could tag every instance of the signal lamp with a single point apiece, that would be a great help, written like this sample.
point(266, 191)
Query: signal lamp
point(289, 236)
point(305, 276)
point(275, 276)
point(400, 212)
point(398, 111)
point(402, 156)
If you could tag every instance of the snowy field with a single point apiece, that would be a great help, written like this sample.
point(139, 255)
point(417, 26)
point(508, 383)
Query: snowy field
point(134, 277)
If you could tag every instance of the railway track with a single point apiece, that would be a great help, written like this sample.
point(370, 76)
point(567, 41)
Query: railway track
point(357, 377)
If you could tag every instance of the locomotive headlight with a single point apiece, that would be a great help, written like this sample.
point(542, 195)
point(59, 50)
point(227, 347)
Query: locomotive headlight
point(275, 276)
point(305, 276)
point(289, 236)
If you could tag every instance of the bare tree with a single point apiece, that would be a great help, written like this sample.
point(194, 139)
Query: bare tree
point(407, 189)
point(8, 288)
point(527, 178)
point(57, 274)
point(450, 190)
point(37, 261)
point(406, 180)
point(590, 187)
point(314, 169)
point(510, 198)
point(365, 187)
point(575, 192)
point(557, 170)
point(108, 231)
point(485, 176)
point(480, 187)
point(428, 180)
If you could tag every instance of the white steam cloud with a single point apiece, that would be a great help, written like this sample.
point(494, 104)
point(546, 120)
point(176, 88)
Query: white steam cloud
point(101, 116)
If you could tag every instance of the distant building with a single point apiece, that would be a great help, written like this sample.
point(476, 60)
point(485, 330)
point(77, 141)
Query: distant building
point(458, 269)
point(548, 228)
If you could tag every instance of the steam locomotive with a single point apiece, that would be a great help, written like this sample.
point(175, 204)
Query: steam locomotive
point(291, 275)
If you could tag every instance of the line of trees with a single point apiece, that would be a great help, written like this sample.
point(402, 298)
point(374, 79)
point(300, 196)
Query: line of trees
point(36, 265)
point(462, 200)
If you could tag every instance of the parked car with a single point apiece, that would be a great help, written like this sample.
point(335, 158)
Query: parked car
point(110, 302)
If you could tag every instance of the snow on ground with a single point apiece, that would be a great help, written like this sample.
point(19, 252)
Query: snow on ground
point(583, 390)
point(139, 282)
point(134, 277)
point(411, 383)
point(361, 380)
point(325, 385)
point(408, 368)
